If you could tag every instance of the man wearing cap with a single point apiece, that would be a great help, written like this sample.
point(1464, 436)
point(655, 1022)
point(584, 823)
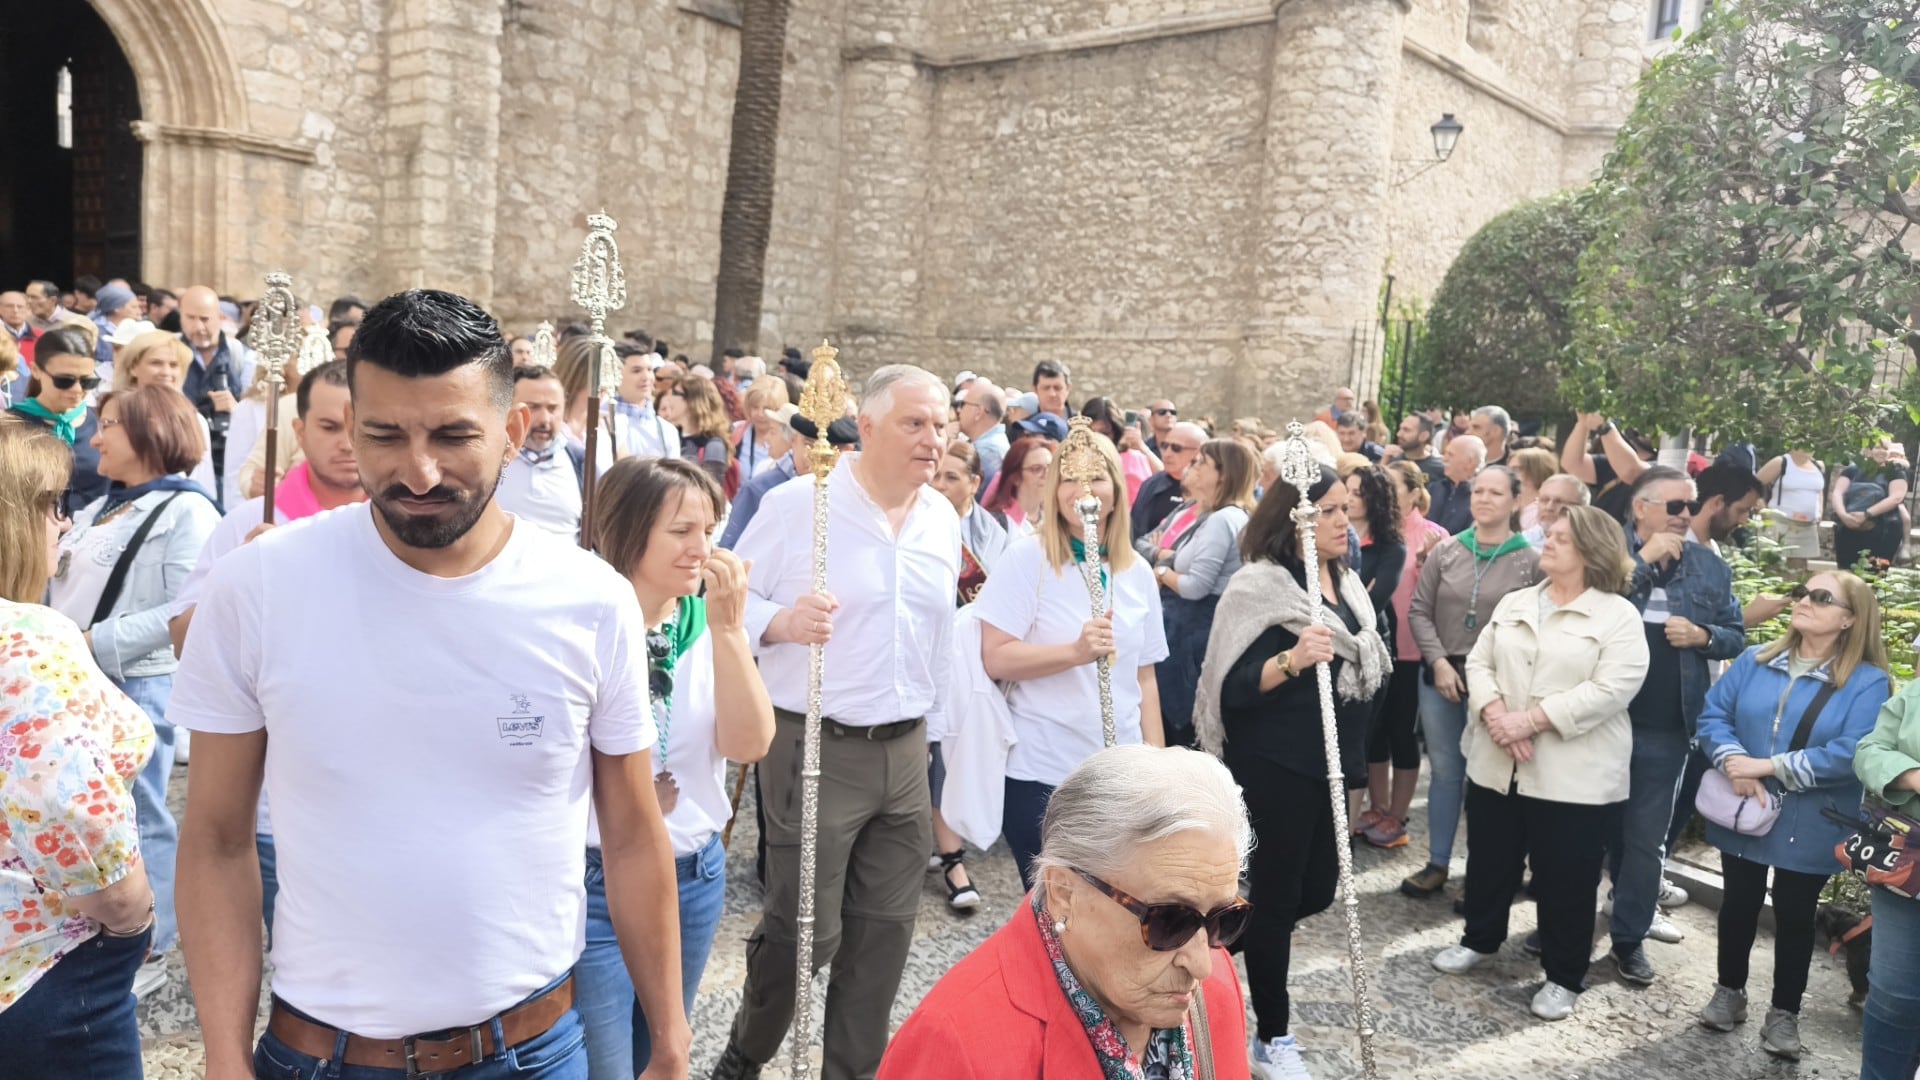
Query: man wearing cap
point(961, 382)
point(117, 311)
point(843, 433)
point(1022, 407)
point(1051, 425)
point(983, 410)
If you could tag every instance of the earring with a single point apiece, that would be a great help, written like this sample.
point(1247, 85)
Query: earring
point(1059, 926)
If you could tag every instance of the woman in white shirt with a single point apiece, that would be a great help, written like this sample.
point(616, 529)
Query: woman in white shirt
point(1798, 484)
point(654, 520)
point(1038, 633)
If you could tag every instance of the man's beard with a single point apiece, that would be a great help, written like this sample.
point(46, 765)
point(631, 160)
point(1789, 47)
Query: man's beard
point(434, 532)
point(539, 439)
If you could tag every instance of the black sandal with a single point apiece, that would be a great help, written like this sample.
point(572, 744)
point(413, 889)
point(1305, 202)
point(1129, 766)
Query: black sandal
point(961, 897)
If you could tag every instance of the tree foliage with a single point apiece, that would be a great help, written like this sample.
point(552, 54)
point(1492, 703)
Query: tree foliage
point(1751, 274)
point(1501, 320)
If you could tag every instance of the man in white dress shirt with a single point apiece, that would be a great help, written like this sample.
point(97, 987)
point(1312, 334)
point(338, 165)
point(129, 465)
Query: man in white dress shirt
point(542, 482)
point(893, 566)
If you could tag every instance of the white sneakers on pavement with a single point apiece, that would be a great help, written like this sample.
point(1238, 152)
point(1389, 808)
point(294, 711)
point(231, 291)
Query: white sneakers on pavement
point(1554, 1002)
point(1278, 1059)
point(1458, 959)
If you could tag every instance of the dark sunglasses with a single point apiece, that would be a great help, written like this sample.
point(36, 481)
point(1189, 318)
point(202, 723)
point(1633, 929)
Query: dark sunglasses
point(659, 679)
point(65, 382)
point(1675, 507)
point(1166, 412)
point(1166, 927)
point(1820, 597)
point(54, 505)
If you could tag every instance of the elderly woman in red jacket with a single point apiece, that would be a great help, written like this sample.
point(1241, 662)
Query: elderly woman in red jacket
point(1115, 964)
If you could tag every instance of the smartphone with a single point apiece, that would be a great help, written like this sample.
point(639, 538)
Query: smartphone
point(1133, 418)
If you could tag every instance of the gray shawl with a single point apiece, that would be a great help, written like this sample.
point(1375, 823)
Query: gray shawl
point(1265, 594)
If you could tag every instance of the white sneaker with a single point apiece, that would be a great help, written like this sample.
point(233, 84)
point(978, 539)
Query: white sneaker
point(1671, 895)
point(1554, 1002)
point(1665, 930)
point(1458, 959)
point(151, 976)
point(1279, 1059)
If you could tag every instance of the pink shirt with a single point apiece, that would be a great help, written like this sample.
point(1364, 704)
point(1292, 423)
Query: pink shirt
point(1134, 468)
point(1417, 529)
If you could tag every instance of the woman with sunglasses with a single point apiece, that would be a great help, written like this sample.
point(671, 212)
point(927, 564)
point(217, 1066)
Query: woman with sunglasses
point(654, 520)
point(1115, 965)
point(72, 880)
point(62, 378)
point(1783, 723)
point(1547, 750)
point(1259, 706)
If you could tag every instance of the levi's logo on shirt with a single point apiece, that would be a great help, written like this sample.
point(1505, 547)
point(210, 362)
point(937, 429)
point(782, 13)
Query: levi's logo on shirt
point(522, 727)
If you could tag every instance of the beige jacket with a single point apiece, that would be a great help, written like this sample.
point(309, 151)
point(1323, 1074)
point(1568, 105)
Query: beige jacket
point(1582, 667)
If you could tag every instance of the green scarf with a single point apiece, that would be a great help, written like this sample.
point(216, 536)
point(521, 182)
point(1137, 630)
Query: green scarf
point(1079, 547)
point(689, 622)
point(1516, 542)
point(65, 425)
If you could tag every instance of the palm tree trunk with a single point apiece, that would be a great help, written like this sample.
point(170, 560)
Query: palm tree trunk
point(746, 216)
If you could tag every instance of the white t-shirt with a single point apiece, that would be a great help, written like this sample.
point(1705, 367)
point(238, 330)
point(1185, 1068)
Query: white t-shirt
point(1057, 717)
point(692, 755)
point(547, 494)
point(428, 753)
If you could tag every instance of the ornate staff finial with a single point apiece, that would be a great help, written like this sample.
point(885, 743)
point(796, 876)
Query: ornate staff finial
point(600, 286)
point(546, 348)
point(276, 328)
point(1297, 464)
point(316, 348)
point(1079, 457)
point(823, 401)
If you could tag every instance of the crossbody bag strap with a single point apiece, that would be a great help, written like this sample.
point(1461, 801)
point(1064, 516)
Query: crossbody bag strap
point(117, 580)
point(1202, 1037)
point(1820, 699)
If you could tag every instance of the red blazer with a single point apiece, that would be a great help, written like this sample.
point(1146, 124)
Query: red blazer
point(1000, 1013)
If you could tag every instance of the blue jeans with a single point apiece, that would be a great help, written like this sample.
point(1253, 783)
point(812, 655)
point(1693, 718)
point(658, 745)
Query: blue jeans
point(1638, 856)
point(1444, 723)
point(618, 1046)
point(1022, 807)
point(159, 835)
point(269, 880)
point(77, 1022)
point(560, 1054)
point(1890, 1030)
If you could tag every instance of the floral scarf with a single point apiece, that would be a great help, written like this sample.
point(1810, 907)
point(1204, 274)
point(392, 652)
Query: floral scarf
point(1168, 1056)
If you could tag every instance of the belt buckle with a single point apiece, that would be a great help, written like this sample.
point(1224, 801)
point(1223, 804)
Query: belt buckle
point(871, 730)
point(413, 1064)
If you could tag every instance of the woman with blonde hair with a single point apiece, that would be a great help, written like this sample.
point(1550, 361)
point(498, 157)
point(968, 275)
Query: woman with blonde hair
point(1781, 726)
point(757, 437)
point(80, 910)
point(695, 408)
point(1534, 467)
point(1547, 745)
point(157, 358)
point(1038, 633)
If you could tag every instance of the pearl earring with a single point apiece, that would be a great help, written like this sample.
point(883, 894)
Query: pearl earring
point(1059, 926)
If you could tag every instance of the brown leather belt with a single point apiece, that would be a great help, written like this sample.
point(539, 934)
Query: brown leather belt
point(424, 1055)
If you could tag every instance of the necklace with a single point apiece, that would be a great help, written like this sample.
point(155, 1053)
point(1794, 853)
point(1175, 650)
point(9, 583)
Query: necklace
point(1481, 564)
point(666, 644)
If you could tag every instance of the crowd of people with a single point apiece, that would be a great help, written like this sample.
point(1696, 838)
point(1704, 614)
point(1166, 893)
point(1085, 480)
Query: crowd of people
point(436, 656)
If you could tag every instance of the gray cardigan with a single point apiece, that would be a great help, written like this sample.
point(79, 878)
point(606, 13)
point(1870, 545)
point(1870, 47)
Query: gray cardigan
point(1209, 553)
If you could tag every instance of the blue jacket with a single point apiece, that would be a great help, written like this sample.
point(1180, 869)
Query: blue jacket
point(1739, 719)
point(1700, 590)
point(746, 502)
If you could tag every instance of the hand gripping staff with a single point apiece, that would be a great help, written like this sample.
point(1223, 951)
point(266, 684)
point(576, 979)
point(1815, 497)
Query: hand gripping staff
point(1080, 463)
point(823, 401)
point(1299, 468)
point(599, 286)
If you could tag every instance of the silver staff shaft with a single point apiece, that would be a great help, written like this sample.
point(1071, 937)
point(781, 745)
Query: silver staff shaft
point(802, 1033)
point(1305, 515)
point(1096, 593)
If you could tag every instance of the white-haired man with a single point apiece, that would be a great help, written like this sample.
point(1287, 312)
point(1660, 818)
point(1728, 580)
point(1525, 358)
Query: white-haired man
point(893, 566)
point(1492, 425)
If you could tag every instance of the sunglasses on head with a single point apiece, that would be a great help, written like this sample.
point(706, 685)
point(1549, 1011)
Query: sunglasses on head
point(66, 382)
point(1166, 927)
point(1820, 597)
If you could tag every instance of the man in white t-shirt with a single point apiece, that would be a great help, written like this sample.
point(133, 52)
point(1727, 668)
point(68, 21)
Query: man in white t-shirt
point(455, 689)
point(892, 571)
point(542, 483)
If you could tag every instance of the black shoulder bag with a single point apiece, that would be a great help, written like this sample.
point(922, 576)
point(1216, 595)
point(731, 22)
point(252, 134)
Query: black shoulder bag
point(117, 580)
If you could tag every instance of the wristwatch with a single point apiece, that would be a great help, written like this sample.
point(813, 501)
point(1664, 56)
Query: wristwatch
point(1286, 664)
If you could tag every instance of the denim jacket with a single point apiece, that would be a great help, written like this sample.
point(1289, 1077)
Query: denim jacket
point(1739, 719)
point(1700, 590)
point(132, 640)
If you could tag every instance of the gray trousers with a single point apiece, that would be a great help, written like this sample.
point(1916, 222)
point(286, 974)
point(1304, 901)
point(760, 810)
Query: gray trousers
point(875, 831)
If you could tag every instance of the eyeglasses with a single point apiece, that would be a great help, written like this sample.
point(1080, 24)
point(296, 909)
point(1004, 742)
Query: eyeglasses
point(1166, 412)
point(54, 505)
point(1820, 597)
point(1035, 469)
point(1176, 448)
point(1676, 507)
point(66, 382)
point(1166, 927)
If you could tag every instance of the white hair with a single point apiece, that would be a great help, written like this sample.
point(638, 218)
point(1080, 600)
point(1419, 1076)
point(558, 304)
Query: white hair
point(1474, 443)
point(1275, 455)
point(1126, 796)
point(749, 367)
point(877, 398)
point(1580, 492)
point(1497, 416)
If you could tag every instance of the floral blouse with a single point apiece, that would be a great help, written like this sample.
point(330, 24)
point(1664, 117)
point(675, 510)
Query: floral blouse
point(70, 745)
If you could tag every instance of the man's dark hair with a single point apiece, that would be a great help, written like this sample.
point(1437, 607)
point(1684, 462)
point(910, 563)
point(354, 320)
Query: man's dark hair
point(47, 288)
point(790, 352)
point(333, 373)
point(734, 354)
point(341, 310)
point(529, 372)
point(1731, 482)
point(1426, 424)
point(573, 330)
point(422, 333)
point(627, 350)
point(1656, 474)
point(796, 385)
point(1050, 369)
point(660, 346)
point(1351, 419)
point(155, 295)
point(86, 285)
point(639, 337)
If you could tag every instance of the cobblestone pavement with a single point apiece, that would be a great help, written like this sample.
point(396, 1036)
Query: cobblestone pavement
point(1430, 1025)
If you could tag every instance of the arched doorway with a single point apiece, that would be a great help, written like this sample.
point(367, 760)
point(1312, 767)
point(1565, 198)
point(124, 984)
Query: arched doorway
point(71, 176)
